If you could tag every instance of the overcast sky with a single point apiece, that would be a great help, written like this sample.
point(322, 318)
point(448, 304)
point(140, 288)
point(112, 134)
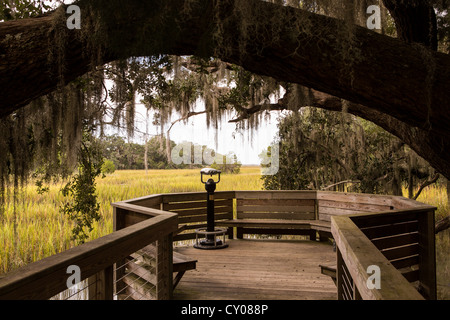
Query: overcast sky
point(246, 147)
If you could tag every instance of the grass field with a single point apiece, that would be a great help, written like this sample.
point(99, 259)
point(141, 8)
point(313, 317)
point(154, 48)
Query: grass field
point(437, 196)
point(36, 228)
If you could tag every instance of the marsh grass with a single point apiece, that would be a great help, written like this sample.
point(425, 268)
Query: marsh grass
point(36, 228)
point(437, 196)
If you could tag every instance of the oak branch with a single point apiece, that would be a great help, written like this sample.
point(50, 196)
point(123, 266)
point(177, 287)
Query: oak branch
point(407, 82)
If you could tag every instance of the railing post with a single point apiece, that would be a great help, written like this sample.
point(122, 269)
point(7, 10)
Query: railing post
point(164, 268)
point(100, 285)
point(427, 255)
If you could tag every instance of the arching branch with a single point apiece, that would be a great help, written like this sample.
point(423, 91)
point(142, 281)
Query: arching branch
point(339, 183)
point(187, 116)
point(426, 184)
point(442, 224)
point(248, 112)
point(388, 76)
point(419, 140)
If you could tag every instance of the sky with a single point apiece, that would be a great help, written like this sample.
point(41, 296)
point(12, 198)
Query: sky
point(246, 147)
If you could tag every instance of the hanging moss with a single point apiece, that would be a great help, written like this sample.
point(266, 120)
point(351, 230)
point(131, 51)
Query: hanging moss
point(319, 149)
point(44, 137)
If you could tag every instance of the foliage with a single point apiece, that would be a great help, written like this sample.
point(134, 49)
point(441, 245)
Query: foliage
point(122, 154)
point(320, 148)
point(288, 177)
point(44, 136)
point(443, 24)
point(167, 84)
point(81, 203)
point(108, 167)
point(157, 154)
point(229, 164)
point(314, 152)
point(21, 9)
point(131, 156)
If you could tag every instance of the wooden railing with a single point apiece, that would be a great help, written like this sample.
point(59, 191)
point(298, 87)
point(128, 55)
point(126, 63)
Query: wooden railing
point(100, 261)
point(387, 255)
point(393, 233)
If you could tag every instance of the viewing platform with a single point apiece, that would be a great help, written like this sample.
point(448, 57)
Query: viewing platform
point(259, 270)
point(347, 241)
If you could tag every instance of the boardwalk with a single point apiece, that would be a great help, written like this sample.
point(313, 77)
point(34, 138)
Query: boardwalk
point(259, 269)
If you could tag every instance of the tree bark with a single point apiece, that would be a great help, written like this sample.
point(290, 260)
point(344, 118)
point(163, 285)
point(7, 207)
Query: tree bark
point(415, 21)
point(405, 81)
point(448, 192)
point(442, 225)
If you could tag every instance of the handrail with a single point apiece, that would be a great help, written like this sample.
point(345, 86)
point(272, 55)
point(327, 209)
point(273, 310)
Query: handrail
point(45, 278)
point(356, 253)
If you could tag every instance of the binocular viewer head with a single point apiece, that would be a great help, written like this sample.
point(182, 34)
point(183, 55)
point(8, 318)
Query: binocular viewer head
point(210, 172)
point(210, 184)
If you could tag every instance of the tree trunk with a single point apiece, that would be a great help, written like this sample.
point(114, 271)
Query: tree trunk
point(448, 192)
point(415, 21)
point(405, 81)
point(146, 155)
point(427, 183)
point(442, 224)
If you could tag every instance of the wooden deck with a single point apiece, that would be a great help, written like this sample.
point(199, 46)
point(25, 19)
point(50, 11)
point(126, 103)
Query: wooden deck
point(259, 270)
point(394, 233)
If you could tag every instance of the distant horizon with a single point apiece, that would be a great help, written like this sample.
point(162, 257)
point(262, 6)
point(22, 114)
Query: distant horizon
point(247, 146)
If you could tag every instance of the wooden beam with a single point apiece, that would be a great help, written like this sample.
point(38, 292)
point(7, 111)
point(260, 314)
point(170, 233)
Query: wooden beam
point(164, 268)
point(101, 285)
point(47, 277)
point(276, 194)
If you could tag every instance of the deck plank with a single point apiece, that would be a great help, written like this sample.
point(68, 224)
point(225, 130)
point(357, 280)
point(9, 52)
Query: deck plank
point(259, 270)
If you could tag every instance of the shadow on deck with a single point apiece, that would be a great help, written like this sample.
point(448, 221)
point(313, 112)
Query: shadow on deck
point(259, 270)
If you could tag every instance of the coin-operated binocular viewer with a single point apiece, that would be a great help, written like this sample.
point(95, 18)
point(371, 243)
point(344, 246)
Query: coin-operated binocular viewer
point(211, 233)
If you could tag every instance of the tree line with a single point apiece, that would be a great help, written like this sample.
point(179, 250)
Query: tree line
point(119, 154)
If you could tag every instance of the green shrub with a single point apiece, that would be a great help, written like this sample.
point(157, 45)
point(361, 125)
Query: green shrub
point(108, 167)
